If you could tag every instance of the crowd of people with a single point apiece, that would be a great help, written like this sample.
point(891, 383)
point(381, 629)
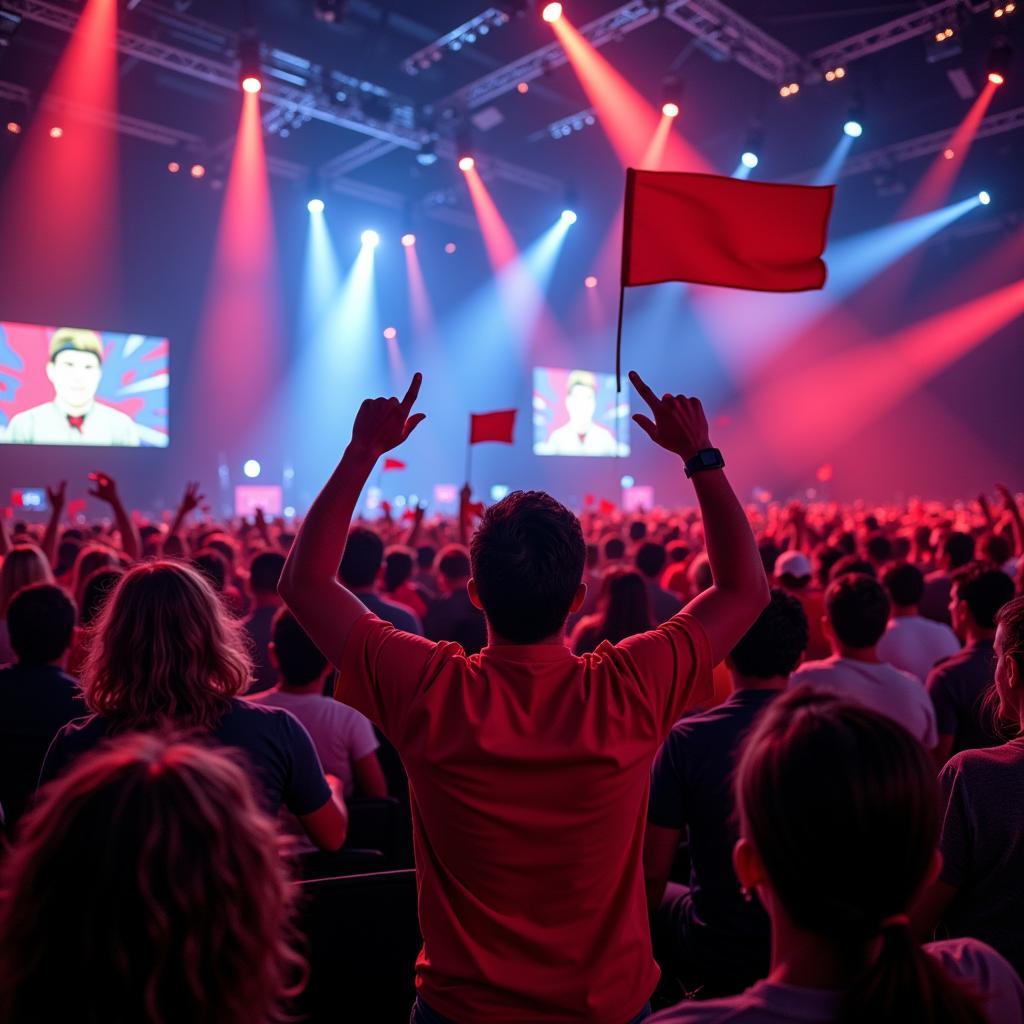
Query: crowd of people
point(717, 763)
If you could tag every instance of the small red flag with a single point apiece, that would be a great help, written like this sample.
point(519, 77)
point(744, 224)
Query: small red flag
point(606, 508)
point(709, 229)
point(492, 426)
point(393, 464)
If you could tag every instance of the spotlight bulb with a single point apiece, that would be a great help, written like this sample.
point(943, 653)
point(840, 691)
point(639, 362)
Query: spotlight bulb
point(370, 238)
point(251, 84)
point(551, 12)
point(996, 78)
point(569, 216)
point(408, 240)
point(197, 171)
point(390, 333)
point(854, 129)
point(56, 132)
point(14, 127)
point(590, 281)
point(670, 109)
point(315, 206)
point(466, 163)
point(984, 198)
point(749, 159)
point(252, 468)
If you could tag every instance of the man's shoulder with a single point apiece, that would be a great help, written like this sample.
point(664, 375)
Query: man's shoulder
point(113, 415)
point(969, 764)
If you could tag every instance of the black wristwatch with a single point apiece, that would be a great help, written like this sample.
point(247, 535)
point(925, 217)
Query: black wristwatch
point(707, 458)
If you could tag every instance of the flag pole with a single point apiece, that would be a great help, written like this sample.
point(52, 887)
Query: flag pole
point(469, 449)
point(618, 342)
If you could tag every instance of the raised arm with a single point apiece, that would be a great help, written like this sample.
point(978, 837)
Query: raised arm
point(56, 497)
point(740, 589)
point(106, 490)
point(309, 584)
point(1016, 521)
point(189, 502)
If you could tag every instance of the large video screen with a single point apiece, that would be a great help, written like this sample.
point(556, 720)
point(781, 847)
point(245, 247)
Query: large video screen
point(73, 386)
point(578, 412)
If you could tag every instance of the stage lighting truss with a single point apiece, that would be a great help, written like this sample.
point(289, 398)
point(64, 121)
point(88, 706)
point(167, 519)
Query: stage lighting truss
point(999, 60)
point(9, 25)
point(1002, 10)
point(467, 34)
point(566, 126)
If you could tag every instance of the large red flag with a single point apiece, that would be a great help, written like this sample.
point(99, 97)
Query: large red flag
point(708, 229)
point(492, 426)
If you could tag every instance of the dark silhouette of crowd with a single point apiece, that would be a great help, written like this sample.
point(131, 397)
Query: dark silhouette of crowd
point(717, 763)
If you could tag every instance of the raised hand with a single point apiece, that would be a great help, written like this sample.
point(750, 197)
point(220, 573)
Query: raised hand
point(56, 496)
point(191, 499)
point(1009, 501)
point(384, 423)
point(679, 423)
point(105, 488)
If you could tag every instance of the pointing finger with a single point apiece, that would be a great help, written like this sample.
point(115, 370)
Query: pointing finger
point(643, 390)
point(413, 393)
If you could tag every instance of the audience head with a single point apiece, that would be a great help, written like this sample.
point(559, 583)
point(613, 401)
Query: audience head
point(95, 592)
point(852, 564)
point(878, 548)
point(1009, 648)
point(264, 573)
point(839, 822)
point(614, 549)
point(90, 558)
point(67, 552)
point(360, 564)
point(977, 594)
point(699, 575)
point(225, 546)
point(957, 550)
point(211, 563)
point(650, 559)
point(41, 623)
point(677, 551)
point(825, 558)
point(857, 607)
point(146, 885)
point(624, 605)
point(22, 566)
point(165, 649)
point(453, 565)
point(637, 531)
point(769, 552)
point(398, 566)
point(527, 557)
point(793, 570)
point(298, 658)
point(773, 646)
point(995, 549)
point(425, 555)
point(905, 584)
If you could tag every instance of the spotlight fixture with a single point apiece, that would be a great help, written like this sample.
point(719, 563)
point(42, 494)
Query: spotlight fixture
point(249, 75)
point(449, 247)
point(523, 88)
point(948, 153)
point(1003, 9)
point(315, 206)
point(197, 171)
point(251, 468)
point(56, 132)
point(834, 74)
point(984, 198)
point(466, 163)
point(551, 13)
point(943, 34)
point(569, 216)
point(854, 126)
point(174, 167)
point(789, 89)
point(370, 238)
point(329, 11)
point(426, 156)
point(671, 97)
point(749, 159)
point(999, 59)
point(590, 281)
point(14, 127)
point(751, 155)
point(408, 239)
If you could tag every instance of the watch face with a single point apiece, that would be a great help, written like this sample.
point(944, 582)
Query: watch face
point(709, 458)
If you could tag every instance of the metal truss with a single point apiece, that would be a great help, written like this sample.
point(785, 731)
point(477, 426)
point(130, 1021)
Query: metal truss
point(364, 153)
point(465, 35)
point(565, 126)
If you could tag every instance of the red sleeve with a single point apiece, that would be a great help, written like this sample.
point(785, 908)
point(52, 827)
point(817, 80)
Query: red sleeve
point(383, 671)
point(672, 665)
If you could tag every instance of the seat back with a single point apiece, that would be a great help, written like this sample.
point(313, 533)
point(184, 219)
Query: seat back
point(373, 825)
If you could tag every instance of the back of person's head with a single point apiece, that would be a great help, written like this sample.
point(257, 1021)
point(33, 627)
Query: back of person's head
point(453, 563)
point(625, 608)
point(22, 566)
point(905, 583)
point(527, 557)
point(225, 545)
point(90, 558)
point(211, 563)
point(398, 566)
point(957, 549)
point(878, 548)
point(699, 575)
point(775, 643)
point(164, 649)
point(984, 590)
point(841, 807)
point(174, 545)
point(67, 552)
point(677, 551)
point(95, 591)
point(825, 558)
point(41, 623)
point(637, 530)
point(425, 555)
point(769, 552)
point(852, 565)
point(146, 885)
point(613, 548)
point(901, 547)
point(858, 609)
point(995, 548)
point(1010, 645)
point(297, 656)
point(650, 558)
point(364, 552)
point(265, 572)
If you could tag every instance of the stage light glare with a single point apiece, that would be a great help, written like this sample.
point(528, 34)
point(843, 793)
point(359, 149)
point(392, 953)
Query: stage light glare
point(13, 127)
point(466, 163)
point(390, 333)
point(251, 84)
point(749, 159)
point(948, 154)
point(251, 468)
point(627, 481)
point(315, 206)
point(569, 216)
point(551, 13)
point(408, 239)
point(590, 281)
point(996, 78)
point(523, 88)
point(450, 247)
point(370, 238)
point(174, 167)
point(853, 128)
point(197, 171)
point(670, 109)
point(56, 132)
point(984, 198)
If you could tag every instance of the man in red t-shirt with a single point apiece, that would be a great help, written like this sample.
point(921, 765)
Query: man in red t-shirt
point(529, 767)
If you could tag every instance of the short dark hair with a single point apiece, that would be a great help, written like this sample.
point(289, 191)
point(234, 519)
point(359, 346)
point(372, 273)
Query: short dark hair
point(985, 590)
point(425, 556)
point(399, 563)
point(214, 566)
point(858, 609)
point(41, 621)
point(265, 572)
point(299, 658)
point(995, 548)
point(678, 551)
point(878, 548)
point(637, 530)
point(453, 562)
point(958, 548)
point(361, 561)
point(905, 583)
point(769, 552)
point(650, 558)
point(527, 557)
point(852, 565)
point(775, 643)
point(614, 548)
point(825, 557)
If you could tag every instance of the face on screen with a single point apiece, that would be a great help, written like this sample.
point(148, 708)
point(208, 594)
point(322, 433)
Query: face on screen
point(581, 403)
point(75, 377)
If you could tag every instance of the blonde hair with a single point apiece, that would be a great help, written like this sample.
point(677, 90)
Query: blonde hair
point(146, 886)
point(164, 650)
point(22, 565)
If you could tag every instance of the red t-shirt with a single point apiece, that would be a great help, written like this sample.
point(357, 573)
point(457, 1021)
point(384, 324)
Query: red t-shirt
point(529, 771)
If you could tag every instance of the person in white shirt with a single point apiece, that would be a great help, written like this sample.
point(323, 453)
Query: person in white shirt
point(75, 369)
point(581, 435)
point(857, 610)
point(912, 642)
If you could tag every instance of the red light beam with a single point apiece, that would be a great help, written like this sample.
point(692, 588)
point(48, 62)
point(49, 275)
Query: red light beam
point(498, 241)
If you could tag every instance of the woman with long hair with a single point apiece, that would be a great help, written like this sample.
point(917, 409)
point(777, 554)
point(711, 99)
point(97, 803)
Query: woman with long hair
point(624, 609)
point(145, 888)
point(839, 821)
point(22, 565)
point(165, 653)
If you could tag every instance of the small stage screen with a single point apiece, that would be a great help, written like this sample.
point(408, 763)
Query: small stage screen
point(72, 386)
point(577, 412)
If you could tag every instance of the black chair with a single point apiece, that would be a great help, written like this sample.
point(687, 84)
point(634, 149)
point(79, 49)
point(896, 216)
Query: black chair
point(373, 824)
point(363, 937)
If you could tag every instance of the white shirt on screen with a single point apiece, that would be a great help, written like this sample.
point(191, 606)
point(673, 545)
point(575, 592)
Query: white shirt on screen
point(915, 644)
point(49, 424)
point(597, 440)
point(876, 685)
